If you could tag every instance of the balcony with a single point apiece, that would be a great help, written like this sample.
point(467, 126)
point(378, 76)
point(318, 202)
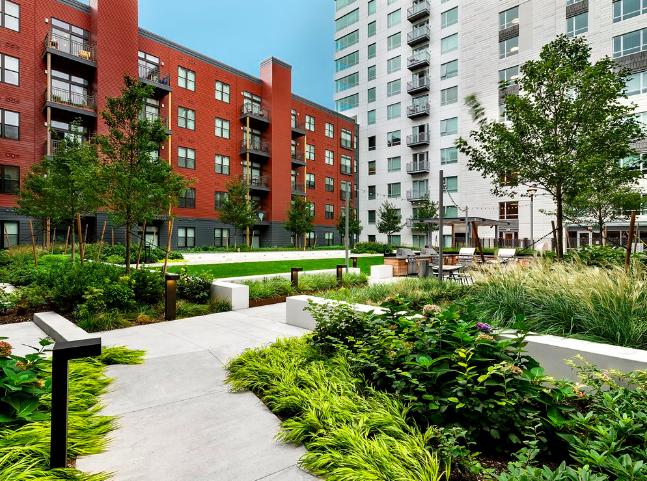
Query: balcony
point(257, 147)
point(257, 182)
point(417, 195)
point(419, 9)
point(421, 138)
point(418, 35)
point(419, 167)
point(418, 110)
point(298, 189)
point(72, 102)
point(261, 218)
point(71, 51)
point(258, 116)
point(419, 84)
point(151, 75)
point(298, 130)
point(297, 159)
point(152, 117)
point(419, 60)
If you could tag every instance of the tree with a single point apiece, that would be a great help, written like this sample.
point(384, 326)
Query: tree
point(425, 209)
point(354, 224)
point(137, 186)
point(63, 186)
point(389, 219)
point(567, 122)
point(237, 209)
point(300, 217)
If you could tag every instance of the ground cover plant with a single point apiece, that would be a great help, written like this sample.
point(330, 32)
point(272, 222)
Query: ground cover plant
point(215, 271)
point(276, 287)
point(25, 440)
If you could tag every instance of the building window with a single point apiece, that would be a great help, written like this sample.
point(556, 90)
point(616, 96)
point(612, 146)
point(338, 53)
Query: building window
point(449, 18)
point(449, 155)
point(347, 41)
point(449, 44)
point(330, 130)
point(449, 96)
point(637, 84)
point(9, 125)
point(329, 211)
point(310, 152)
point(9, 179)
point(394, 164)
point(449, 70)
point(9, 70)
point(509, 75)
point(10, 15)
point(393, 18)
point(219, 199)
point(342, 84)
point(186, 118)
point(393, 64)
point(223, 91)
point(393, 88)
point(222, 128)
point(220, 237)
point(310, 181)
point(372, 73)
point(508, 210)
point(394, 190)
point(371, 216)
point(451, 184)
point(393, 111)
point(345, 164)
point(577, 25)
point(329, 237)
point(624, 9)
point(372, 29)
point(372, 7)
point(186, 158)
point(372, 50)
point(310, 123)
point(9, 237)
point(371, 95)
point(629, 43)
point(371, 167)
point(187, 199)
point(222, 164)
point(372, 142)
point(370, 117)
point(346, 139)
point(450, 211)
point(347, 20)
point(345, 189)
point(330, 184)
point(508, 18)
point(371, 192)
point(347, 103)
point(449, 126)
point(185, 237)
point(393, 138)
point(347, 61)
point(394, 41)
point(394, 239)
point(509, 47)
point(186, 78)
point(330, 157)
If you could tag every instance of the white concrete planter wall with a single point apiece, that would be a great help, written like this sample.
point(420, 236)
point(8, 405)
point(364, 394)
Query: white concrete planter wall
point(551, 352)
point(237, 295)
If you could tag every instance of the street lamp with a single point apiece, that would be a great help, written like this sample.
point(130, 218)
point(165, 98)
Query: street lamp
point(532, 191)
point(170, 307)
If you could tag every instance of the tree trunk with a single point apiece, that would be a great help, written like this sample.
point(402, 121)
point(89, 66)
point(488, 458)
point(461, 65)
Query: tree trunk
point(141, 246)
point(560, 223)
point(73, 241)
point(601, 226)
point(128, 227)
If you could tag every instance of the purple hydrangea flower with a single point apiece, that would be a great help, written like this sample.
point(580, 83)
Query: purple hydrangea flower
point(482, 326)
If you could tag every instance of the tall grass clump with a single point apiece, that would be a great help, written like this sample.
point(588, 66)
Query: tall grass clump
point(308, 283)
point(567, 299)
point(351, 432)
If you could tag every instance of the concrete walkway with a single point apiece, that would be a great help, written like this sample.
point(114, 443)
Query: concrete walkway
point(177, 419)
point(261, 256)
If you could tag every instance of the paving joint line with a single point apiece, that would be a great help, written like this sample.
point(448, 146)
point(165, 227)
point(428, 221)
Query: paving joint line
point(276, 472)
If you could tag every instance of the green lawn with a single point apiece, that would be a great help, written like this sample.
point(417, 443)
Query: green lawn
point(274, 267)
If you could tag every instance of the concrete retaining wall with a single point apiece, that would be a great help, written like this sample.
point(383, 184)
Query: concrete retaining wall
point(286, 275)
point(237, 295)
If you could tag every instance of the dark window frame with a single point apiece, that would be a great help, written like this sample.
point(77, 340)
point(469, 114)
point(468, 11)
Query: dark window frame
point(3, 125)
point(4, 70)
point(187, 199)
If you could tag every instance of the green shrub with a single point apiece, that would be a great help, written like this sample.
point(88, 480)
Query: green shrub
point(269, 288)
point(189, 309)
point(100, 321)
point(32, 297)
point(601, 256)
point(148, 286)
point(372, 248)
point(193, 288)
point(308, 283)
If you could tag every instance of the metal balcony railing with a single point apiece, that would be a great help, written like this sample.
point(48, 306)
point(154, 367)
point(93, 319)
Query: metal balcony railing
point(82, 49)
point(417, 110)
point(419, 59)
point(255, 110)
point(418, 84)
point(74, 99)
point(418, 139)
point(417, 195)
point(257, 181)
point(297, 157)
point(298, 189)
point(256, 145)
point(153, 74)
point(418, 167)
point(418, 10)
point(418, 35)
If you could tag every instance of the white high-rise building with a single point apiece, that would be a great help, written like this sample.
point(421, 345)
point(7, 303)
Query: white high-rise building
point(403, 69)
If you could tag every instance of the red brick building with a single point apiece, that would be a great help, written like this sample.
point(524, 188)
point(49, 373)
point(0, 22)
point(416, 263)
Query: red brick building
point(60, 59)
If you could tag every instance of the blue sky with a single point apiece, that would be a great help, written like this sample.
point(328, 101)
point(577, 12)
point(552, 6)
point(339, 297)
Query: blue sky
point(242, 33)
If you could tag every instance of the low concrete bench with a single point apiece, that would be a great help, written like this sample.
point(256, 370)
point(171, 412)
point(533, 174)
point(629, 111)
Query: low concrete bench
point(58, 328)
point(381, 272)
point(297, 315)
point(237, 295)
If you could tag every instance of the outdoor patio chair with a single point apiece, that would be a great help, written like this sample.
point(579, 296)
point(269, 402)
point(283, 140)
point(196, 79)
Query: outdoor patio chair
point(505, 256)
point(466, 256)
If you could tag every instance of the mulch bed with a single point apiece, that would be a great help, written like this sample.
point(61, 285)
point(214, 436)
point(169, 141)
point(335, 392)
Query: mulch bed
point(267, 301)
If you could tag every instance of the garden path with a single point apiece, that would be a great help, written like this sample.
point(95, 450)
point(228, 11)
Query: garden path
point(177, 419)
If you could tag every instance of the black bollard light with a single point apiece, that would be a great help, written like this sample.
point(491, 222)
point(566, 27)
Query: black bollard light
point(62, 353)
point(294, 276)
point(354, 259)
point(340, 273)
point(170, 305)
